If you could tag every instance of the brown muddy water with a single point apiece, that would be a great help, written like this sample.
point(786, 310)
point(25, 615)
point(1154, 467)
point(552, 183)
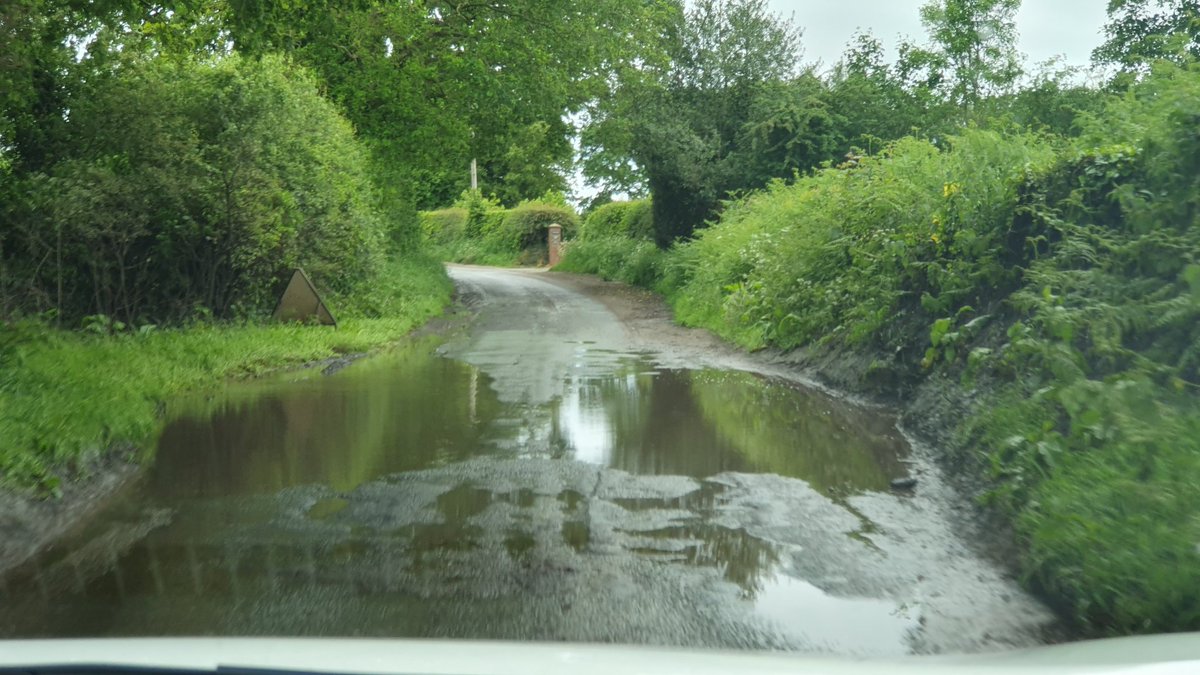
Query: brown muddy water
point(534, 484)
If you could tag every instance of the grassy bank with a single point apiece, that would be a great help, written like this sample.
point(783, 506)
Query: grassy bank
point(1058, 280)
point(68, 395)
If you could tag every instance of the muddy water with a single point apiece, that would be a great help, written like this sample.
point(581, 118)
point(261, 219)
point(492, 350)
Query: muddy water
point(415, 409)
point(536, 484)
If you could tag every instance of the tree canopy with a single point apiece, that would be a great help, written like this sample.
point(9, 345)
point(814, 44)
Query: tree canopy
point(1140, 32)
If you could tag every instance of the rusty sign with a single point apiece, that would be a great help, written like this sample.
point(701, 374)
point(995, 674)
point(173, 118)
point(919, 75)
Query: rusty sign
point(301, 302)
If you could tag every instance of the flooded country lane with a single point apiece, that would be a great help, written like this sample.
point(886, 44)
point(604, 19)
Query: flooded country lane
point(548, 472)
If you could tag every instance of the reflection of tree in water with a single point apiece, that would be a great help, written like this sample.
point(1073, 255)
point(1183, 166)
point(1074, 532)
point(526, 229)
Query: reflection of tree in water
point(741, 557)
point(702, 423)
point(410, 410)
point(782, 429)
point(651, 425)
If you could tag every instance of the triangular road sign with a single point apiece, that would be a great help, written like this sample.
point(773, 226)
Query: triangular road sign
point(301, 302)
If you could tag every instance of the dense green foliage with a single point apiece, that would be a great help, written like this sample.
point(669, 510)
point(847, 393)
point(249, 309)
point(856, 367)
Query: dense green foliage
point(616, 258)
point(191, 188)
point(734, 109)
point(431, 85)
point(704, 126)
point(972, 49)
point(634, 219)
point(1140, 32)
point(1096, 441)
point(1061, 278)
point(67, 397)
point(479, 230)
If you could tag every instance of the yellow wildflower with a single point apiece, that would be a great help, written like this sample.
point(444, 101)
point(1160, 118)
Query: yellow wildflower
point(950, 189)
point(935, 239)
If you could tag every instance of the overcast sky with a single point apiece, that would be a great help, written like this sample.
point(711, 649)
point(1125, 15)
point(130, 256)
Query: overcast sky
point(1047, 27)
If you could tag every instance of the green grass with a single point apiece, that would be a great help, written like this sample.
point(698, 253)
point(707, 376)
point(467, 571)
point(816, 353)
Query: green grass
point(67, 396)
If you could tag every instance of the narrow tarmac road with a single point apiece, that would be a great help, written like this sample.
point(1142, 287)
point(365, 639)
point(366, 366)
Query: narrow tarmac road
point(568, 465)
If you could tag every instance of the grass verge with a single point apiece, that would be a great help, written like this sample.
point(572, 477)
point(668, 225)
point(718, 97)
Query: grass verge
point(68, 396)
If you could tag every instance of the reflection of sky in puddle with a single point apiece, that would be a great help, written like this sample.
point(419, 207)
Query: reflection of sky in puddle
point(625, 412)
point(584, 423)
point(844, 625)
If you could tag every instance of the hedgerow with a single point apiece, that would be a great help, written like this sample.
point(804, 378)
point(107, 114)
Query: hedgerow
point(478, 230)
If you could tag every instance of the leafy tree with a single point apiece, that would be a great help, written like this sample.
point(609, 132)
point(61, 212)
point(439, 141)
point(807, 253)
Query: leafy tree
point(869, 99)
point(714, 121)
point(39, 68)
point(534, 163)
point(1053, 101)
point(972, 52)
point(1142, 31)
point(431, 85)
point(789, 128)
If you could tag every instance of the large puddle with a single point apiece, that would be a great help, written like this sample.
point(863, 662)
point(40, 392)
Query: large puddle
point(415, 409)
point(407, 496)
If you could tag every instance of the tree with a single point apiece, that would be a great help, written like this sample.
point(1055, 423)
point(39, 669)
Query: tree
point(972, 52)
point(432, 85)
point(1052, 100)
point(711, 121)
point(533, 165)
point(869, 100)
point(1142, 31)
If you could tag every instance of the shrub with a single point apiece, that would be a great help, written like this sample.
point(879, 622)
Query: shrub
point(616, 258)
point(444, 225)
point(624, 219)
point(193, 187)
point(1093, 438)
point(850, 254)
point(1079, 259)
point(524, 227)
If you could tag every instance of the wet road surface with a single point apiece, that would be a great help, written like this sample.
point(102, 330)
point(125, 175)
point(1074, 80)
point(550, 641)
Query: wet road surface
point(547, 472)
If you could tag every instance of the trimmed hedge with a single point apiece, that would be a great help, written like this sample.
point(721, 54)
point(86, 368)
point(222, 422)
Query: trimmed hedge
point(444, 225)
point(483, 233)
point(634, 220)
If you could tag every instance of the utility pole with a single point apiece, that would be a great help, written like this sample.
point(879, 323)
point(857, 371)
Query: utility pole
point(474, 177)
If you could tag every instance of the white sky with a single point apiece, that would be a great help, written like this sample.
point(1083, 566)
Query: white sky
point(1047, 27)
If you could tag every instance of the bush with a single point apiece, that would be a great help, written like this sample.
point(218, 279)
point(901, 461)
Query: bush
point(1093, 439)
point(194, 187)
point(477, 230)
point(525, 226)
point(1061, 278)
point(852, 255)
point(635, 262)
point(634, 220)
point(443, 226)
